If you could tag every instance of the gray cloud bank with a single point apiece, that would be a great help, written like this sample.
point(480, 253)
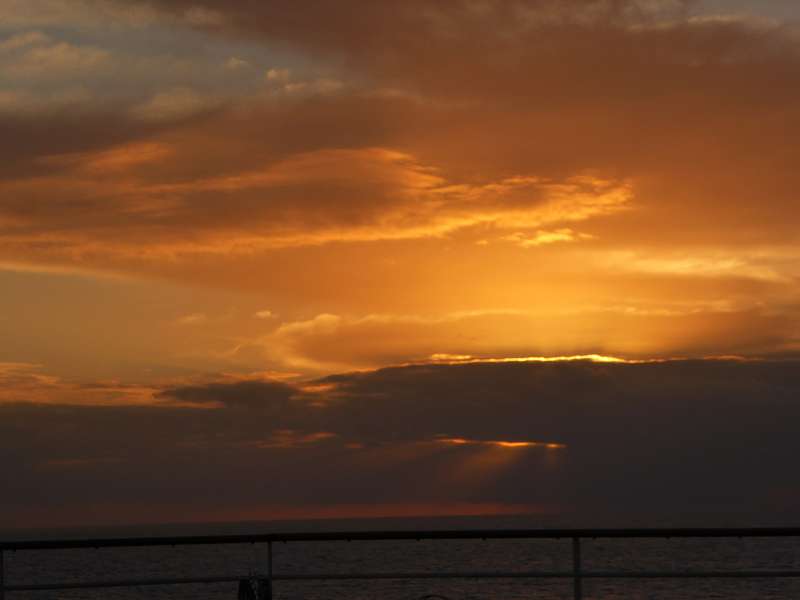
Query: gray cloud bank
point(658, 441)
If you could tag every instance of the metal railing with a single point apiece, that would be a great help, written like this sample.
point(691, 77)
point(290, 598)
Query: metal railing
point(577, 573)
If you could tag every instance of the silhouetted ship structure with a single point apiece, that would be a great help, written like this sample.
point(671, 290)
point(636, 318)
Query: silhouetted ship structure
point(259, 586)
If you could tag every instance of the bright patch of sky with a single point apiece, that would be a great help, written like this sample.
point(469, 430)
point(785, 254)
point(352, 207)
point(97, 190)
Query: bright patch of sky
point(85, 62)
point(777, 9)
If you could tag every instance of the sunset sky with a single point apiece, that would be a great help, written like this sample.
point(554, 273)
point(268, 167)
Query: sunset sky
point(318, 258)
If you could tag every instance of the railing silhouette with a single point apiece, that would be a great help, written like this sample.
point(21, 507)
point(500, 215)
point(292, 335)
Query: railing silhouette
point(261, 587)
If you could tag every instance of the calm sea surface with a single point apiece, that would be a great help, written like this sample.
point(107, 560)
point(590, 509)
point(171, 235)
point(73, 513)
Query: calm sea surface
point(405, 556)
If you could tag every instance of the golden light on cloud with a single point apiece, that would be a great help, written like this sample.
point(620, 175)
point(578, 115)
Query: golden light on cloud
point(132, 195)
point(456, 359)
point(542, 237)
point(458, 441)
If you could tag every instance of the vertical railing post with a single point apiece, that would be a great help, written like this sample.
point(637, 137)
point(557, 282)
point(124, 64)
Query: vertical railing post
point(2, 578)
point(269, 571)
point(576, 568)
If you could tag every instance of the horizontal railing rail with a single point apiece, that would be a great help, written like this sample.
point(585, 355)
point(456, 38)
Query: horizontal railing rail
point(434, 534)
point(577, 574)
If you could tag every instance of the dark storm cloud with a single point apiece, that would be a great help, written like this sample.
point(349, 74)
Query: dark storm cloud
point(673, 437)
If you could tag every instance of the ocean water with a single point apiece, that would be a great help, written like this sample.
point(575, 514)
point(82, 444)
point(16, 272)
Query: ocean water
point(405, 556)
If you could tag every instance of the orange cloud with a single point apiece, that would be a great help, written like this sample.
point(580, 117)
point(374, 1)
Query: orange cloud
point(26, 383)
point(22, 383)
point(427, 187)
point(332, 195)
